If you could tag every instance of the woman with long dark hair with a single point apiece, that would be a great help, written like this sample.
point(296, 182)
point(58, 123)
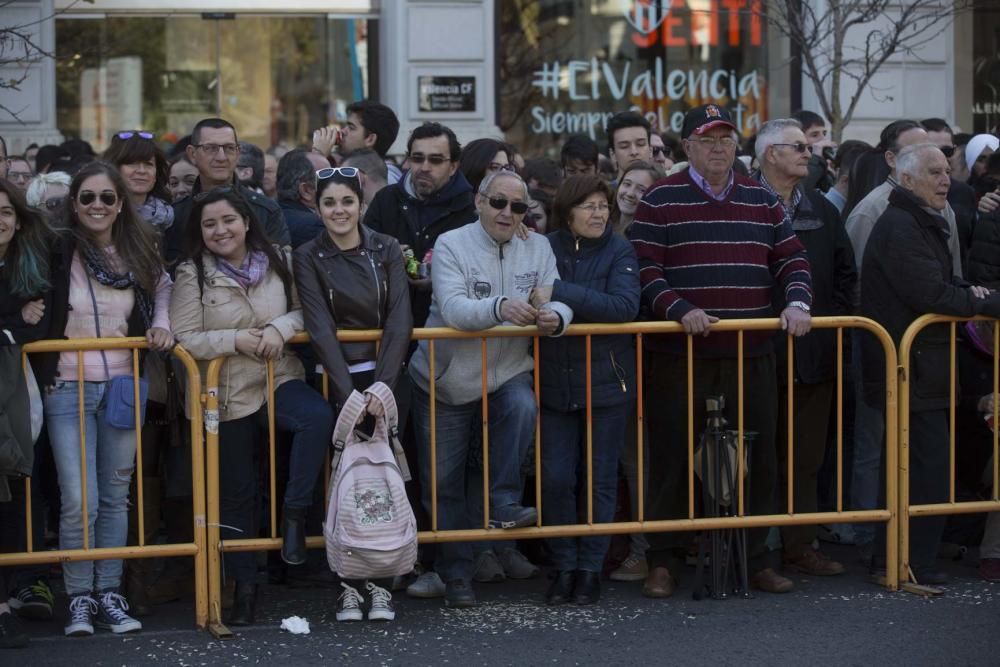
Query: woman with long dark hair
point(108, 283)
point(25, 295)
point(235, 298)
point(483, 157)
point(144, 167)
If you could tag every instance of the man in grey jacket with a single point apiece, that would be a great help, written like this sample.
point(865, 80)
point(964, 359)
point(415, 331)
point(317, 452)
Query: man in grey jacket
point(483, 276)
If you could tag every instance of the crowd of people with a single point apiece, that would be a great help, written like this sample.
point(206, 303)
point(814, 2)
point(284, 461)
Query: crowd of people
point(231, 251)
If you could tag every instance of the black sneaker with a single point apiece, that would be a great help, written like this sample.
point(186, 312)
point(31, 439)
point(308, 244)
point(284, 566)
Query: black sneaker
point(34, 601)
point(381, 609)
point(111, 614)
point(459, 594)
point(81, 616)
point(513, 516)
point(12, 635)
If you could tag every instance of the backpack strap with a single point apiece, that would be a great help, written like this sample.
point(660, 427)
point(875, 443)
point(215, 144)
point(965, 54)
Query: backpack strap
point(381, 391)
point(346, 421)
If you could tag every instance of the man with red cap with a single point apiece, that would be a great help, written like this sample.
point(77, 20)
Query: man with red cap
point(712, 245)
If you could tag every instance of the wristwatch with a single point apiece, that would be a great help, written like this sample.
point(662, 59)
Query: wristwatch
point(801, 305)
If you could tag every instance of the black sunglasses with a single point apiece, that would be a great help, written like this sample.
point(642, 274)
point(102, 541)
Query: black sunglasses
point(129, 135)
point(52, 203)
point(799, 147)
point(420, 158)
point(87, 197)
point(329, 172)
point(226, 189)
point(516, 207)
point(948, 150)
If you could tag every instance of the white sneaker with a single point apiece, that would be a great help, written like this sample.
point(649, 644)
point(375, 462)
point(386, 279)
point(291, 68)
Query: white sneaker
point(633, 568)
point(81, 616)
point(111, 614)
point(349, 604)
point(381, 609)
point(428, 585)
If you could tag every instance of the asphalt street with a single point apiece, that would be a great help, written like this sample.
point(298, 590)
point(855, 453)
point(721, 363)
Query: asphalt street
point(837, 621)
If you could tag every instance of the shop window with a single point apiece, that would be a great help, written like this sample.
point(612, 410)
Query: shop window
point(275, 78)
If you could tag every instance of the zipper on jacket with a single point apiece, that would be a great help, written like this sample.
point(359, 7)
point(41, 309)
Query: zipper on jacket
point(378, 287)
point(619, 373)
point(496, 377)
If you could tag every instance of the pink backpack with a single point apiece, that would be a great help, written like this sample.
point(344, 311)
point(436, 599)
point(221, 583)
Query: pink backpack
point(370, 529)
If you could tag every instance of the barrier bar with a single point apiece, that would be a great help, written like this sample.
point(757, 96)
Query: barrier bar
point(434, 473)
point(137, 412)
point(840, 419)
point(590, 436)
point(83, 446)
point(790, 380)
point(690, 403)
point(486, 439)
point(951, 415)
point(640, 427)
point(538, 432)
point(741, 464)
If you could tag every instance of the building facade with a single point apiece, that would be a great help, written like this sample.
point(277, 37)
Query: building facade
point(532, 71)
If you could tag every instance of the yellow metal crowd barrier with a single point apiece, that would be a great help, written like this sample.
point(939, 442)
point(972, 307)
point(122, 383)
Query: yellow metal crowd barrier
point(905, 508)
point(642, 524)
point(196, 548)
point(207, 547)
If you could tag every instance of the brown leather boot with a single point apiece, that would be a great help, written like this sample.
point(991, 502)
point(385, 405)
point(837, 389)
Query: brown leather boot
point(813, 562)
point(659, 584)
point(769, 581)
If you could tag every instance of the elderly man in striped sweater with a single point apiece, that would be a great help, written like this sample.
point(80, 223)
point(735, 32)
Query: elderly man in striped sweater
point(713, 245)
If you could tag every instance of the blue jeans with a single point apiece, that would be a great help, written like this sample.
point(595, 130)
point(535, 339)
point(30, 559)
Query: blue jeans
point(110, 462)
point(564, 479)
point(869, 437)
point(512, 415)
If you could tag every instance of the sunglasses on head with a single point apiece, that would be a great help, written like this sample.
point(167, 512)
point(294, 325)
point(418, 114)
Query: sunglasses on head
point(108, 197)
point(129, 135)
point(346, 172)
point(516, 207)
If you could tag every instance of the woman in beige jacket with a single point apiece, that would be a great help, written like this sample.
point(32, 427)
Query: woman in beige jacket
point(234, 297)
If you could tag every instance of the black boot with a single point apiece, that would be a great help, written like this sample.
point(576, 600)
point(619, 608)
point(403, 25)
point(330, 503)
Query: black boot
point(293, 548)
point(561, 590)
point(587, 589)
point(244, 604)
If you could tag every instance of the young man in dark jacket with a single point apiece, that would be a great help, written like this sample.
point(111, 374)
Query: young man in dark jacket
point(909, 272)
point(432, 198)
point(783, 154)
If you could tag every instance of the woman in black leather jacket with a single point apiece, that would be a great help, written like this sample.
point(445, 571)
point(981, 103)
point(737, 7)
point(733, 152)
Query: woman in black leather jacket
point(354, 278)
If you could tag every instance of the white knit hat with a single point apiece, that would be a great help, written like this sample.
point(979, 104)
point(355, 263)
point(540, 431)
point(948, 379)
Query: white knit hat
point(977, 145)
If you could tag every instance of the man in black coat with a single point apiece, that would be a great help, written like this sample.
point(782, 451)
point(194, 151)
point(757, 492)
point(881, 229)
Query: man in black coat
point(296, 184)
point(432, 198)
point(908, 273)
point(214, 150)
point(783, 154)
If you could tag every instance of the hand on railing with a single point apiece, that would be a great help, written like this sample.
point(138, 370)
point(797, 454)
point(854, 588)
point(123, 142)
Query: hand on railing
point(247, 342)
point(271, 343)
point(517, 312)
point(795, 321)
point(160, 340)
point(540, 296)
point(697, 321)
point(547, 321)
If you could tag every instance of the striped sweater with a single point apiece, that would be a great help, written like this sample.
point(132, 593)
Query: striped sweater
point(725, 257)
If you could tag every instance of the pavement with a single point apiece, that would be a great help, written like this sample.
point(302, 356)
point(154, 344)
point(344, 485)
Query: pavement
point(843, 620)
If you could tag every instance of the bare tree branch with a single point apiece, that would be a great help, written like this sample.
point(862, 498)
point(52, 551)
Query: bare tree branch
point(829, 55)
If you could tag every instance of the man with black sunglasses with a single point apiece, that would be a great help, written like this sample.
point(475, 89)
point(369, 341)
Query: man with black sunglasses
point(484, 276)
point(215, 150)
point(783, 154)
point(432, 198)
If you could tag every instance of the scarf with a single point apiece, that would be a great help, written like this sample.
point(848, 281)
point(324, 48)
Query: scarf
point(158, 213)
point(98, 267)
point(250, 272)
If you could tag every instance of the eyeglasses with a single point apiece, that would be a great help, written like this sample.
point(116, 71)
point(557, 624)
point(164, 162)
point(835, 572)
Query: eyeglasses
point(436, 160)
point(142, 135)
point(712, 142)
point(52, 203)
point(593, 208)
point(224, 190)
point(799, 147)
point(516, 207)
point(948, 150)
point(658, 150)
point(329, 172)
point(496, 166)
point(24, 176)
point(212, 149)
point(87, 197)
